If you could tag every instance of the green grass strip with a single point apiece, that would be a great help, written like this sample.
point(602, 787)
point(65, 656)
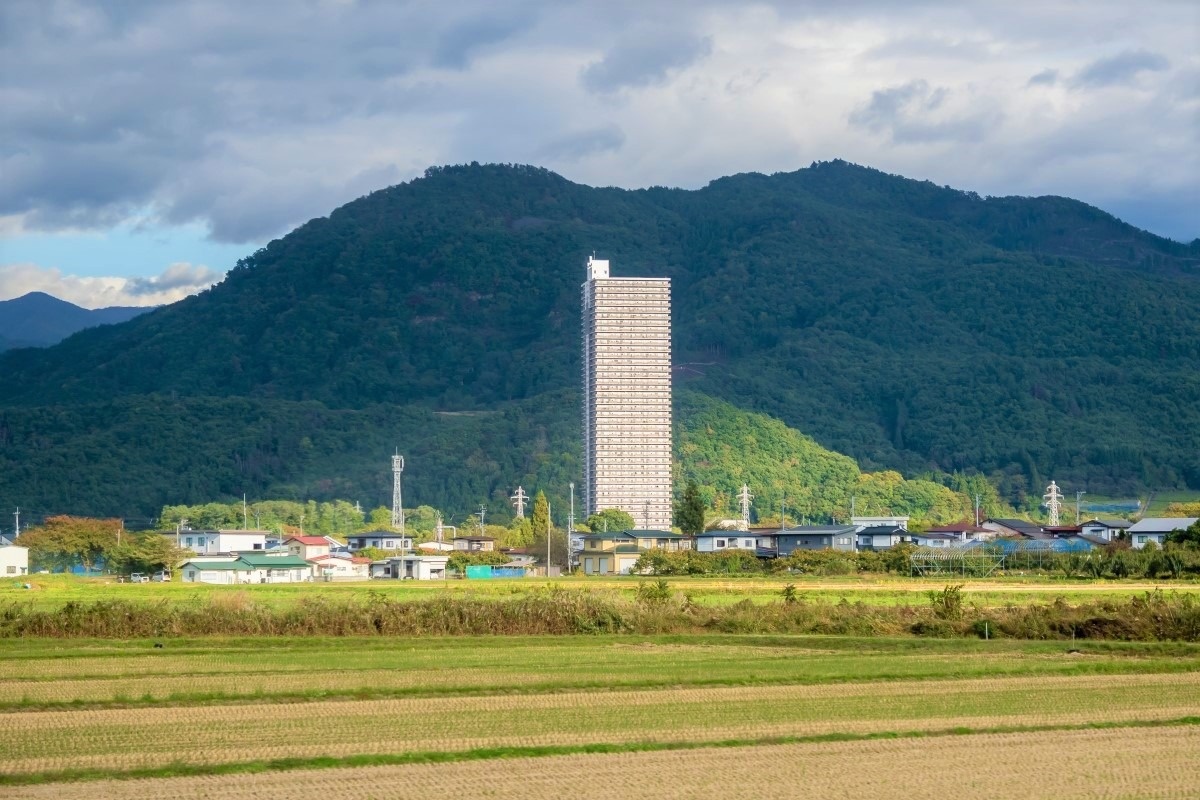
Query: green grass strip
point(181, 770)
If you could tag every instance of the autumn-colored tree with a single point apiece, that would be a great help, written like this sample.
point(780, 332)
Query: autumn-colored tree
point(63, 542)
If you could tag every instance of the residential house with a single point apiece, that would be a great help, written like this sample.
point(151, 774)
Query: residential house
point(964, 531)
point(1107, 529)
point(411, 567)
point(14, 560)
point(940, 540)
point(879, 522)
point(474, 544)
point(615, 553)
point(381, 540)
point(211, 570)
point(881, 537)
point(814, 537)
point(713, 541)
point(1016, 528)
point(340, 568)
point(307, 547)
point(1062, 531)
point(1155, 529)
point(220, 541)
point(247, 568)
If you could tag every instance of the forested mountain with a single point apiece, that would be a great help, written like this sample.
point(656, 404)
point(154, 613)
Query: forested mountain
point(909, 326)
point(38, 319)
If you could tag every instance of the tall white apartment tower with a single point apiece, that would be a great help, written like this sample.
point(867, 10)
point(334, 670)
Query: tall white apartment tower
point(627, 396)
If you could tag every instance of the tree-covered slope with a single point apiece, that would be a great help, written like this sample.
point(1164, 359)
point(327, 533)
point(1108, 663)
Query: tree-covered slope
point(907, 325)
point(223, 448)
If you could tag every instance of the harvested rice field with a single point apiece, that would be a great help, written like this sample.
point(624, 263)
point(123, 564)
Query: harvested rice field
point(734, 715)
point(1116, 763)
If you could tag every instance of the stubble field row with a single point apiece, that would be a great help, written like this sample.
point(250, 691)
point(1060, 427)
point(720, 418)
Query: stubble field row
point(126, 739)
point(135, 673)
point(1156, 764)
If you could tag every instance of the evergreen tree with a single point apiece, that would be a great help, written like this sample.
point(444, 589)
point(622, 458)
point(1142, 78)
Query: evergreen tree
point(541, 516)
point(689, 511)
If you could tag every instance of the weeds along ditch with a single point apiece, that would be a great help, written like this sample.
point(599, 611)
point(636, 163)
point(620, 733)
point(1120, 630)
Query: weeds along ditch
point(657, 608)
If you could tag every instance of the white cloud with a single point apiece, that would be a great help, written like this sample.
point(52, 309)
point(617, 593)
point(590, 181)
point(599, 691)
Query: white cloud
point(174, 283)
point(250, 118)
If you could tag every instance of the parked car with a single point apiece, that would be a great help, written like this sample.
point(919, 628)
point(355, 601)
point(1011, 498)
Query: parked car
point(139, 577)
point(161, 575)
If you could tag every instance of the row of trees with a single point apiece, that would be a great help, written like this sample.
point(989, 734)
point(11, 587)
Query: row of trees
point(63, 543)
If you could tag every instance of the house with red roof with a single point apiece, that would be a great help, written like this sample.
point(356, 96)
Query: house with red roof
point(307, 547)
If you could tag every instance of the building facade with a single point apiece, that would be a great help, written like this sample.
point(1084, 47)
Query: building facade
point(627, 395)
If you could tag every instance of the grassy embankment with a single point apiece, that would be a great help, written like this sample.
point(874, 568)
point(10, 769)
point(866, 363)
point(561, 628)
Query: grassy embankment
point(980, 609)
point(49, 592)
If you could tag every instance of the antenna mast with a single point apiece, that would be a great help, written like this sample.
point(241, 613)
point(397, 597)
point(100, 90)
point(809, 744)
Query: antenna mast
point(1053, 504)
point(397, 507)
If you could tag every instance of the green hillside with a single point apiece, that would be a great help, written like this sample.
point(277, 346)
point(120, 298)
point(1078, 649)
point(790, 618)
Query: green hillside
point(454, 461)
point(911, 327)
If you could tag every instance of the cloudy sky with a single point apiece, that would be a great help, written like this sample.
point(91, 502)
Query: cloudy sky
point(146, 146)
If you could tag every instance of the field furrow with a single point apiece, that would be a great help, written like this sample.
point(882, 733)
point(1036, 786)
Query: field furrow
point(1152, 764)
point(147, 737)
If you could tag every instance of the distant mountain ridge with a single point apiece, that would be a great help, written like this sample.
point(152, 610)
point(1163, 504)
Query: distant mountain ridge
point(37, 319)
point(910, 326)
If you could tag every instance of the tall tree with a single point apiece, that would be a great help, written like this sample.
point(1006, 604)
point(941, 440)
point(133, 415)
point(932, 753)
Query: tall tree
point(610, 519)
point(64, 542)
point(541, 516)
point(689, 511)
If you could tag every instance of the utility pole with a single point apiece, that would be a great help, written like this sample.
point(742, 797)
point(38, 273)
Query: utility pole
point(782, 517)
point(397, 506)
point(977, 509)
point(571, 529)
point(1078, 497)
point(17, 524)
point(518, 500)
point(245, 513)
point(482, 511)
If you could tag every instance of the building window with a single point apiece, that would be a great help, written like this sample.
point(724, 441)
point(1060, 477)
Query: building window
point(11, 569)
point(1141, 540)
point(720, 542)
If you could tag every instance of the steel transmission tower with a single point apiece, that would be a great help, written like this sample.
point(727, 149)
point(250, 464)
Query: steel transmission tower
point(397, 506)
point(1053, 504)
point(745, 497)
point(518, 500)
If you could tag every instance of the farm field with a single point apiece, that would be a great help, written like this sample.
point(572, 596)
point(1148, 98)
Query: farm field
point(119, 718)
point(54, 591)
point(1103, 764)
